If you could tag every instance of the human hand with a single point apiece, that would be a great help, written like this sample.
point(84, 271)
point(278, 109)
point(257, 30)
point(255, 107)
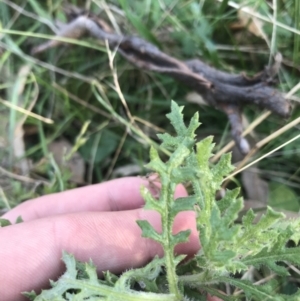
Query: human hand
point(97, 222)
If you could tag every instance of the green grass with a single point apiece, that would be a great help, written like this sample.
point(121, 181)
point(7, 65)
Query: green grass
point(184, 29)
point(71, 85)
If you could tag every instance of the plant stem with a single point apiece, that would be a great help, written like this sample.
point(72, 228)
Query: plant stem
point(167, 194)
point(171, 271)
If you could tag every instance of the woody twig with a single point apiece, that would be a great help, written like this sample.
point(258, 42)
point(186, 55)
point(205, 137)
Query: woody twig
point(227, 92)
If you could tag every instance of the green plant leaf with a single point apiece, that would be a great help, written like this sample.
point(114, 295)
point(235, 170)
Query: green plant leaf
point(150, 201)
point(4, 222)
point(221, 169)
point(204, 152)
point(91, 288)
point(227, 247)
point(104, 146)
point(261, 292)
point(226, 201)
point(181, 237)
point(283, 197)
point(183, 204)
point(149, 231)
point(270, 257)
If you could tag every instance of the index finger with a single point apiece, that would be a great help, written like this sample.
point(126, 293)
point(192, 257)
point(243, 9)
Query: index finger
point(114, 195)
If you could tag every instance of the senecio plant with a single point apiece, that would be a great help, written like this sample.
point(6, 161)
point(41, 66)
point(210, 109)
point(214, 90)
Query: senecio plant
point(228, 249)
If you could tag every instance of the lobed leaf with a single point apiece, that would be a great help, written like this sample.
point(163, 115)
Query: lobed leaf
point(181, 237)
point(149, 231)
point(183, 204)
point(169, 141)
point(151, 203)
point(176, 119)
point(92, 289)
point(178, 156)
point(221, 169)
point(227, 200)
point(227, 248)
point(269, 259)
point(261, 292)
point(4, 222)
point(204, 152)
point(155, 164)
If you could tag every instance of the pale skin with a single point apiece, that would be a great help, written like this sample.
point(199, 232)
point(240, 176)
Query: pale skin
point(96, 222)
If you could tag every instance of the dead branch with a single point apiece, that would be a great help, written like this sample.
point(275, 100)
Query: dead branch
point(227, 92)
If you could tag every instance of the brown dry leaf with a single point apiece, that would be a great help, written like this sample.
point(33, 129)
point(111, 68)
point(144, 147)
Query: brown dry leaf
point(251, 23)
point(18, 142)
point(127, 170)
point(4, 122)
point(75, 165)
point(194, 97)
point(21, 163)
point(256, 188)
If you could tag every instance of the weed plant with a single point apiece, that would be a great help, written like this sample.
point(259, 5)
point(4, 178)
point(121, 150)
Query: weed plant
point(73, 86)
point(227, 249)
